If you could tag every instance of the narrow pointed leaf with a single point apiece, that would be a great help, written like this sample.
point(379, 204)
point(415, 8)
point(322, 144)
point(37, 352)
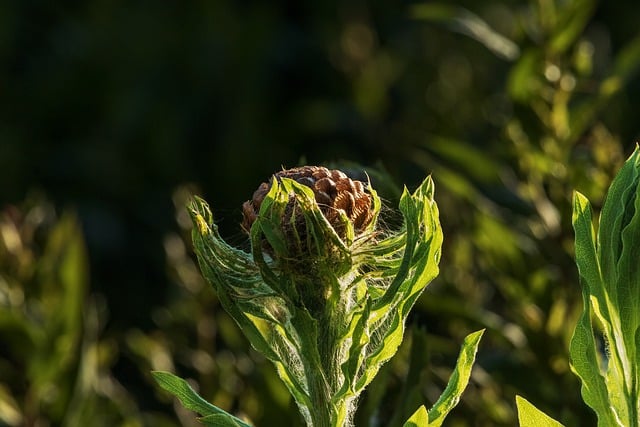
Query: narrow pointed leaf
point(465, 22)
point(420, 418)
point(612, 223)
point(530, 416)
point(458, 380)
point(583, 349)
point(218, 420)
point(192, 400)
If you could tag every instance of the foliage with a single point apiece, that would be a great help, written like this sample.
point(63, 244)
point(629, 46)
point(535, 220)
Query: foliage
point(608, 266)
point(511, 253)
point(530, 416)
point(458, 381)
point(211, 415)
point(328, 321)
point(54, 369)
point(109, 107)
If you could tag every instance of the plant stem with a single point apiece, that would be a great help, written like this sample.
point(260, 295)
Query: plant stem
point(320, 411)
point(325, 377)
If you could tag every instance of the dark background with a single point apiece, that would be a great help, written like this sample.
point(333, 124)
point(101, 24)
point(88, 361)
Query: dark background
point(108, 106)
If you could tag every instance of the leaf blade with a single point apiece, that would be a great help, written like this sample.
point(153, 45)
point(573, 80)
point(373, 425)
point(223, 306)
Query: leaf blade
point(420, 418)
point(191, 400)
point(458, 380)
point(583, 351)
point(530, 416)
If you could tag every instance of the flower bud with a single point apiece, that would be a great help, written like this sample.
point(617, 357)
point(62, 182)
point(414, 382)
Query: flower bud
point(307, 228)
point(336, 195)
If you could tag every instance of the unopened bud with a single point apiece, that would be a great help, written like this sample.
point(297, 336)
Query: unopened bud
point(334, 192)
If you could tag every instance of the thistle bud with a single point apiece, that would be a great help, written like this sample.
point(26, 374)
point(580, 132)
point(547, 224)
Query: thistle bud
point(334, 192)
point(321, 294)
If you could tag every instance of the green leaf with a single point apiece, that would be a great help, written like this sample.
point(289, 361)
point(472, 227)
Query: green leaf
point(627, 62)
point(628, 279)
point(583, 349)
point(612, 220)
point(415, 270)
point(530, 416)
point(67, 242)
point(609, 275)
point(523, 82)
point(420, 418)
point(212, 415)
point(458, 380)
point(465, 22)
point(218, 420)
point(571, 23)
point(63, 267)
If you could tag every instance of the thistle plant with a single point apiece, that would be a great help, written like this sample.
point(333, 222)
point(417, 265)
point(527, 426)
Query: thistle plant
point(325, 291)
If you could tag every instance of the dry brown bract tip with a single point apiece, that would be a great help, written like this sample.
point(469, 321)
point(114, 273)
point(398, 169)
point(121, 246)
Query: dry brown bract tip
point(334, 192)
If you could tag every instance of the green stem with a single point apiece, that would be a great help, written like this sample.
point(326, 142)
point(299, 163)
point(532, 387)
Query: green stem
point(326, 379)
point(320, 410)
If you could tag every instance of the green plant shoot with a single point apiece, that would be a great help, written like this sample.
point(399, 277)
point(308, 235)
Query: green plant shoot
point(609, 267)
point(325, 293)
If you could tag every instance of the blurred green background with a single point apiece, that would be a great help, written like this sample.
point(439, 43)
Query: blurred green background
point(113, 112)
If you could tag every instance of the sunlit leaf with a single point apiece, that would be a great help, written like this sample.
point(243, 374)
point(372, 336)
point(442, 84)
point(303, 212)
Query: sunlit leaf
point(458, 380)
point(10, 412)
point(530, 416)
point(192, 401)
point(420, 418)
point(219, 420)
point(571, 23)
point(524, 78)
point(584, 353)
point(608, 268)
point(466, 22)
